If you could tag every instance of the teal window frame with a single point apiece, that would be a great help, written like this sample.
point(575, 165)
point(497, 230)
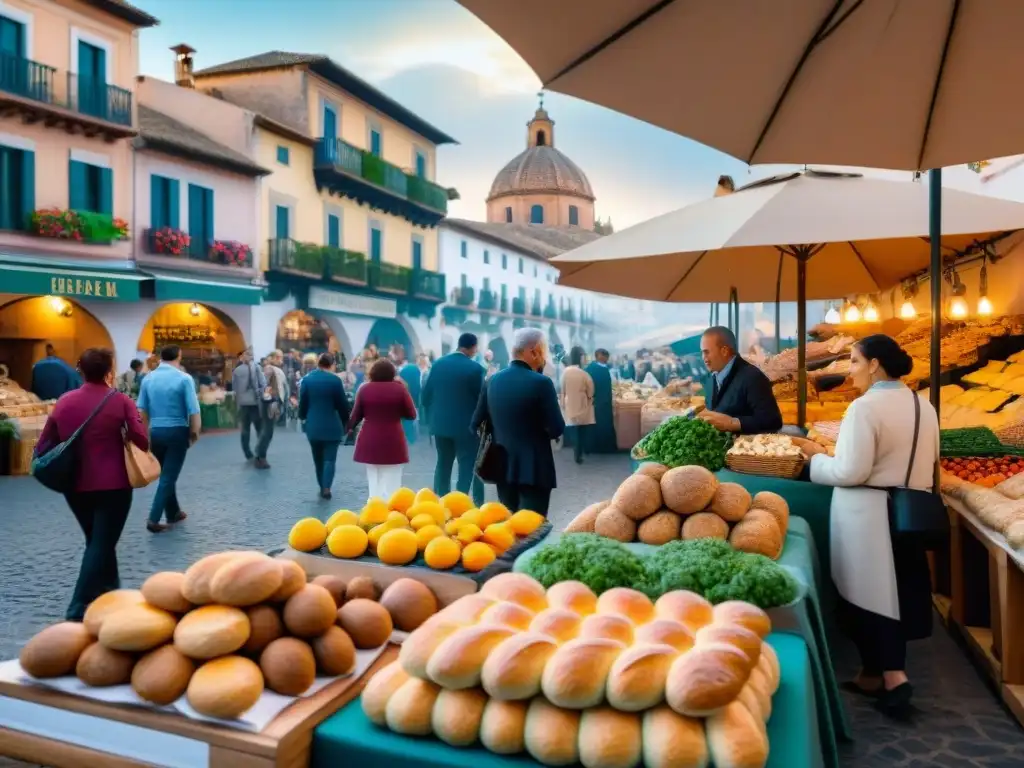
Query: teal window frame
point(417, 252)
point(376, 243)
point(164, 202)
point(333, 230)
point(504, 261)
point(201, 228)
point(17, 187)
point(282, 214)
point(574, 216)
point(536, 214)
point(464, 249)
point(420, 163)
point(90, 188)
point(522, 266)
point(487, 256)
point(283, 155)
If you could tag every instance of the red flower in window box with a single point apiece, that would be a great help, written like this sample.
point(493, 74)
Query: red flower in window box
point(231, 252)
point(57, 223)
point(170, 241)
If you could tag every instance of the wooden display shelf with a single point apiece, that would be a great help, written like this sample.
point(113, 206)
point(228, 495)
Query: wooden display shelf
point(42, 726)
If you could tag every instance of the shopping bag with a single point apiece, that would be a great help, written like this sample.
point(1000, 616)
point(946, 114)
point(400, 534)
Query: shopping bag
point(142, 466)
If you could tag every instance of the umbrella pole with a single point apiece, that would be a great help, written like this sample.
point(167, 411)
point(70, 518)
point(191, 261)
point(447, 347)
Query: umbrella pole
point(935, 237)
point(801, 337)
point(778, 305)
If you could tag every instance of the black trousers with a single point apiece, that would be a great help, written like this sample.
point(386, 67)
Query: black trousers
point(101, 515)
point(580, 439)
point(517, 497)
point(249, 416)
point(881, 642)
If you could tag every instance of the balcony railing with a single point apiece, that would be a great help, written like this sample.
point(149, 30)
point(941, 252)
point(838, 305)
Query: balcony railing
point(518, 306)
point(428, 285)
point(464, 296)
point(320, 262)
point(177, 244)
point(568, 315)
point(389, 278)
point(551, 311)
point(488, 300)
point(503, 305)
point(46, 85)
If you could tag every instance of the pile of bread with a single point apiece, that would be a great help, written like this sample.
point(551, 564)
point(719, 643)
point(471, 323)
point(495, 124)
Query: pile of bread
point(1000, 508)
point(568, 677)
point(656, 505)
point(231, 625)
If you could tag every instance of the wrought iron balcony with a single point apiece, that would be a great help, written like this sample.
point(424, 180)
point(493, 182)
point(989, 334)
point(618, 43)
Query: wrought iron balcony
point(464, 296)
point(536, 309)
point(503, 305)
point(428, 285)
point(551, 311)
point(390, 278)
point(518, 306)
point(488, 301)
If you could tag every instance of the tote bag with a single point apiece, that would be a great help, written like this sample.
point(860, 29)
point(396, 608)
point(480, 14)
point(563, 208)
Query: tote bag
point(55, 469)
point(142, 466)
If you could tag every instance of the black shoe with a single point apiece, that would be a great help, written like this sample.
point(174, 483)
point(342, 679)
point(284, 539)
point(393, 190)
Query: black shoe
point(261, 464)
point(179, 519)
point(895, 703)
point(325, 493)
point(249, 457)
point(852, 686)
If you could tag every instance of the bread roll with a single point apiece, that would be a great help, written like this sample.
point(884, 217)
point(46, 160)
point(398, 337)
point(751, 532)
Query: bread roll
point(333, 584)
point(610, 739)
point(672, 740)
point(503, 725)
point(466, 610)
point(55, 651)
point(196, 587)
point(409, 602)
point(769, 664)
point(558, 623)
point(106, 604)
point(666, 632)
point(137, 628)
point(507, 615)
point(750, 699)
point(733, 634)
point(687, 608)
point(736, 739)
point(573, 596)
point(265, 626)
point(335, 653)
point(162, 676)
point(225, 688)
point(246, 580)
point(211, 631)
point(576, 674)
point(634, 605)
point(704, 680)
point(293, 578)
point(608, 626)
point(514, 668)
point(367, 623)
point(459, 659)
point(636, 680)
point(762, 688)
point(418, 647)
point(705, 525)
point(288, 666)
point(411, 706)
point(551, 734)
point(516, 588)
point(310, 611)
point(379, 689)
point(456, 716)
point(163, 590)
point(745, 615)
point(99, 666)
point(758, 533)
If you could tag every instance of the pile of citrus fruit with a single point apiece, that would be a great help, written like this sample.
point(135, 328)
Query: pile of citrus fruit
point(446, 531)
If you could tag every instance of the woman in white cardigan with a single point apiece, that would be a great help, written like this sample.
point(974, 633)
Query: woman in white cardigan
point(884, 584)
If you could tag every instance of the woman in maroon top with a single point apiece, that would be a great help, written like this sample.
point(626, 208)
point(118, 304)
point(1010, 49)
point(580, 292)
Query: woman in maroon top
point(382, 403)
point(102, 495)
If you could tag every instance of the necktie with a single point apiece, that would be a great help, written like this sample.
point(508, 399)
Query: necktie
point(714, 390)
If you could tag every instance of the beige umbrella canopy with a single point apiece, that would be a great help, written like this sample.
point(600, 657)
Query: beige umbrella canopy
point(881, 83)
point(859, 235)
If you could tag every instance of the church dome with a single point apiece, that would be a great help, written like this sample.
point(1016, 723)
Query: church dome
point(541, 169)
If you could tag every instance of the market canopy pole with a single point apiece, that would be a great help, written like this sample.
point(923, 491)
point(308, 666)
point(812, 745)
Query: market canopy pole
point(935, 269)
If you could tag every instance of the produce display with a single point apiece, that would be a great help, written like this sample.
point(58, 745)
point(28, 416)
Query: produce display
point(230, 626)
point(657, 505)
point(970, 441)
point(768, 445)
point(441, 533)
point(986, 471)
point(681, 441)
point(961, 344)
point(1001, 508)
point(784, 365)
point(571, 677)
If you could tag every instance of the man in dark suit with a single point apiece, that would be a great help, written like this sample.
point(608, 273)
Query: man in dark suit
point(324, 412)
point(521, 407)
point(741, 398)
point(448, 398)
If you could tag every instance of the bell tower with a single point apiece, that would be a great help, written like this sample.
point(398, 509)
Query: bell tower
point(541, 129)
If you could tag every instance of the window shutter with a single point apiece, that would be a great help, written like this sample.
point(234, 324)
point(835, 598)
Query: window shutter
point(208, 229)
point(77, 186)
point(173, 192)
point(28, 187)
point(157, 204)
point(106, 198)
point(333, 231)
point(195, 212)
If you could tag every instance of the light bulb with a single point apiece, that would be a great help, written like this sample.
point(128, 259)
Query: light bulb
point(958, 308)
point(852, 314)
point(832, 316)
point(984, 306)
point(907, 311)
point(194, 310)
point(871, 314)
point(57, 304)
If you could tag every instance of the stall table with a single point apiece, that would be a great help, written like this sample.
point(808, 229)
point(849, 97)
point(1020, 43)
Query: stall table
point(349, 738)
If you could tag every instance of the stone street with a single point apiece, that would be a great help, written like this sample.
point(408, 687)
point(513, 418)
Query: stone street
point(232, 505)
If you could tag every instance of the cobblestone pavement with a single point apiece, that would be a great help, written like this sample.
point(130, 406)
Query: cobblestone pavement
point(960, 723)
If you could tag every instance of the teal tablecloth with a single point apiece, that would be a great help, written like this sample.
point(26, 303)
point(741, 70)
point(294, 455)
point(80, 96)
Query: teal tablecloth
point(347, 738)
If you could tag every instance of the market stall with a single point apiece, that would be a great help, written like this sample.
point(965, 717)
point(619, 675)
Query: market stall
point(22, 417)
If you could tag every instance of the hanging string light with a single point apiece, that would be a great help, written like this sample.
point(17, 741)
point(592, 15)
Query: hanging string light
point(984, 305)
point(871, 311)
point(852, 314)
point(907, 310)
point(957, 305)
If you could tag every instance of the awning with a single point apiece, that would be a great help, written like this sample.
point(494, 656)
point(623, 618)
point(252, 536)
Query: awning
point(36, 279)
point(178, 287)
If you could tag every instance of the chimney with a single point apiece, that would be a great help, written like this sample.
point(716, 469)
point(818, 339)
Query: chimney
point(725, 186)
point(183, 76)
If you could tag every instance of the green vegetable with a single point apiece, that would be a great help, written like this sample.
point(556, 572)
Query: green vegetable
point(973, 441)
point(598, 562)
point(682, 441)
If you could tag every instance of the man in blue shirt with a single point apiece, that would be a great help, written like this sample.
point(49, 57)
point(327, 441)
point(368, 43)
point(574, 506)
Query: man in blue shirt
point(52, 377)
point(170, 408)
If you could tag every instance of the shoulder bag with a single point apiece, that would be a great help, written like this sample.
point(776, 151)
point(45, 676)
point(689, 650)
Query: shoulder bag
point(142, 466)
point(55, 469)
point(491, 464)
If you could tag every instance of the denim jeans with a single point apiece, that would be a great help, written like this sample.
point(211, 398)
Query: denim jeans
point(169, 445)
point(450, 450)
point(101, 515)
point(249, 416)
point(325, 458)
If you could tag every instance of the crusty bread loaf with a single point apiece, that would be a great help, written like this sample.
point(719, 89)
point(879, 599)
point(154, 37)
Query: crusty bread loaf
point(459, 659)
point(225, 688)
point(513, 669)
point(379, 689)
point(551, 734)
point(196, 587)
point(419, 646)
point(162, 676)
point(507, 615)
point(769, 664)
point(246, 580)
point(456, 716)
point(733, 634)
point(704, 680)
point(666, 632)
point(108, 603)
point(577, 673)
point(410, 708)
point(293, 578)
point(465, 610)
point(54, 651)
point(163, 590)
point(608, 626)
point(687, 608)
point(736, 739)
point(516, 588)
point(636, 680)
point(137, 628)
point(762, 688)
point(211, 631)
point(752, 701)
point(573, 596)
point(503, 725)
point(558, 623)
point(745, 615)
point(610, 739)
point(672, 740)
point(634, 605)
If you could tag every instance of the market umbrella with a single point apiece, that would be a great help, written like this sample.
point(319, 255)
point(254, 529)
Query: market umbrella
point(799, 236)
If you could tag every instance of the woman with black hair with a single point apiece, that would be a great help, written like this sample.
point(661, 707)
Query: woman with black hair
point(889, 438)
point(576, 396)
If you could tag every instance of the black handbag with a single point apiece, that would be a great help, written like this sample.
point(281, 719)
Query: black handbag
point(56, 468)
point(491, 461)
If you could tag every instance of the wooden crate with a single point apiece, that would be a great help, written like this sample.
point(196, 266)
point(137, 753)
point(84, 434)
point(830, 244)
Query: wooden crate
point(21, 456)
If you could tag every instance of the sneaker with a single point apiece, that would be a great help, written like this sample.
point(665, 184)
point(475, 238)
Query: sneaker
point(157, 527)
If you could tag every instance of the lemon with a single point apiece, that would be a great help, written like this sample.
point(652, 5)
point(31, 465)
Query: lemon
point(374, 534)
point(347, 541)
point(432, 508)
point(499, 536)
point(469, 533)
point(397, 520)
point(307, 534)
point(477, 556)
point(374, 513)
point(473, 516)
point(397, 547)
point(422, 521)
point(493, 512)
point(442, 553)
point(525, 521)
point(426, 534)
point(342, 517)
point(453, 525)
point(426, 494)
point(402, 499)
point(456, 502)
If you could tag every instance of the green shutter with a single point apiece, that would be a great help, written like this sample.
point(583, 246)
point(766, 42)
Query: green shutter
point(106, 198)
point(78, 186)
point(173, 194)
point(195, 212)
point(333, 230)
point(208, 229)
point(28, 186)
point(157, 203)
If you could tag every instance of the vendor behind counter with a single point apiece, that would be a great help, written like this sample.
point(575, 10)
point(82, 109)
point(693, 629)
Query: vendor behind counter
point(741, 398)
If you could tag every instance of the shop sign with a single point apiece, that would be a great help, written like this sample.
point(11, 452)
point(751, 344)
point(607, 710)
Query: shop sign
point(85, 287)
point(351, 304)
point(39, 280)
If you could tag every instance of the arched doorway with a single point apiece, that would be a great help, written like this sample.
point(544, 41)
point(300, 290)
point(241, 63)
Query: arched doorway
point(210, 341)
point(499, 350)
point(388, 333)
point(28, 324)
point(304, 333)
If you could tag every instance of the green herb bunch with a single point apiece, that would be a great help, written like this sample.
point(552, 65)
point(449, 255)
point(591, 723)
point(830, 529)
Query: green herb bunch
point(681, 441)
point(598, 562)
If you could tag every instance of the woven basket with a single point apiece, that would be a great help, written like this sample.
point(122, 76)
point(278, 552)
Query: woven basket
point(773, 466)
